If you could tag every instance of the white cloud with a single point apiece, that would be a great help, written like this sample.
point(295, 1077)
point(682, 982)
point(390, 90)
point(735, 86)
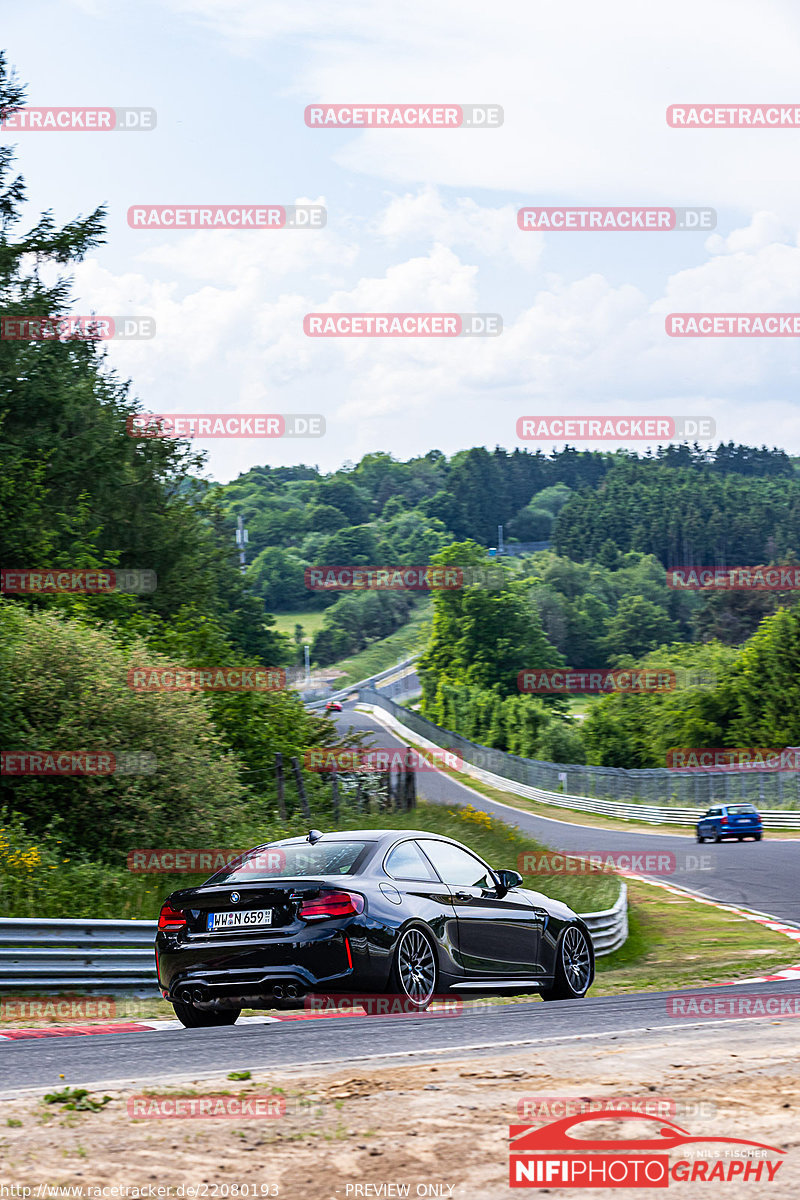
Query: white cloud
point(492, 232)
point(584, 87)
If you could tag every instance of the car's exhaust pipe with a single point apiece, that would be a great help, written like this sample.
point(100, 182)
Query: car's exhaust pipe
point(192, 993)
point(277, 991)
point(292, 991)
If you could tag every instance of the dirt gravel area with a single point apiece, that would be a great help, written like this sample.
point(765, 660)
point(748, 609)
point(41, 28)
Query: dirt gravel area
point(434, 1126)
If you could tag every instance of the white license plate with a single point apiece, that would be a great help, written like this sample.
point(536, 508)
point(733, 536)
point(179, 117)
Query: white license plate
point(245, 919)
point(743, 821)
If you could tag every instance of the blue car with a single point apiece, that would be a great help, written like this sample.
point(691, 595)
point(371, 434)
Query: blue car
point(730, 821)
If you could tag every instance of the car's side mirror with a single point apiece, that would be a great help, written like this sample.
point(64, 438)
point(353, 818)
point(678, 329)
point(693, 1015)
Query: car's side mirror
point(508, 880)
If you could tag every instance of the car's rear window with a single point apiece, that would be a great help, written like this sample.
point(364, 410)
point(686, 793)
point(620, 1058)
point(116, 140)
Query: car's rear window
point(324, 858)
point(741, 808)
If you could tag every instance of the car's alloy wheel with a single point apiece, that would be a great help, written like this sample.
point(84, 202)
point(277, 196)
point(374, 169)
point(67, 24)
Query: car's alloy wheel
point(416, 967)
point(573, 967)
point(577, 959)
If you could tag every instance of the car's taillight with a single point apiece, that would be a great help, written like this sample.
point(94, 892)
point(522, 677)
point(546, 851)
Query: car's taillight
point(171, 918)
point(331, 904)
point(723, 820)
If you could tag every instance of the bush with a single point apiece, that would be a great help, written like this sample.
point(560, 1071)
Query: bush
point(70, 693)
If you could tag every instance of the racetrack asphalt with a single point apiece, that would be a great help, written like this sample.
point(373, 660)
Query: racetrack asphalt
point(125, 1058)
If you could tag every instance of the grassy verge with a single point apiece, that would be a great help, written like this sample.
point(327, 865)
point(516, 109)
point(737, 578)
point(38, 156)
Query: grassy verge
point(678, 942)
point(311, 622)
point(385, 653)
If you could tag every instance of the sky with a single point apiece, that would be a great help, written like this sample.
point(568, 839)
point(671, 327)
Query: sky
point(423, 220)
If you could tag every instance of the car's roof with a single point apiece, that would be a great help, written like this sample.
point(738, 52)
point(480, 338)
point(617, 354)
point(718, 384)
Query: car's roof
point(362, 835)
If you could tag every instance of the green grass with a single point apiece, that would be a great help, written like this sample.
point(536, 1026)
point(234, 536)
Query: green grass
point(385, 653)
point(311, 622)
point(677, 942)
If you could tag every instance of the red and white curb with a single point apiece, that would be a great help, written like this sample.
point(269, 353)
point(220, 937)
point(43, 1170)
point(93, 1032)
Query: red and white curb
point(790, 931)
point(165, 1026)
point(46, 1031)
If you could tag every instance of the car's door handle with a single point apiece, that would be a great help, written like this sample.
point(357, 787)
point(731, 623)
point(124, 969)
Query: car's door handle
point(462, 897)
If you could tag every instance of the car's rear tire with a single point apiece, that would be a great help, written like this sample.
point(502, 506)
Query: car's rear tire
point(757, 837)
point(415, 971)
point(718, 837)
point(700, 838)
point(574, 960)
point(196, 1018)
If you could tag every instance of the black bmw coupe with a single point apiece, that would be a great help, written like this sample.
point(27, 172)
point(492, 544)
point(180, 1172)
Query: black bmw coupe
point(373, 911)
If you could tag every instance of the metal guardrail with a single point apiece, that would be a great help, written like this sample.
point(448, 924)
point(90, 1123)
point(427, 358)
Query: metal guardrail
point(404, 664)
point(525, 776)
point(609, 928)
point(50, 955)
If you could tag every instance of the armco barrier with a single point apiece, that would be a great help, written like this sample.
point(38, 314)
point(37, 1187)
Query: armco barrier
point(405, 665)
point(578, 785)
point(609, 928)
point(50, 955)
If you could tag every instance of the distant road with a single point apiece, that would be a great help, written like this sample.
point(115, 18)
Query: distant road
point(758, 875)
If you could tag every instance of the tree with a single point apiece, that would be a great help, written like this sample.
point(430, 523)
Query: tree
point(637, 626)
point(78, 489)
point(278, 577)
point(482, 636)
point(766, 683)
point(324, 518)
